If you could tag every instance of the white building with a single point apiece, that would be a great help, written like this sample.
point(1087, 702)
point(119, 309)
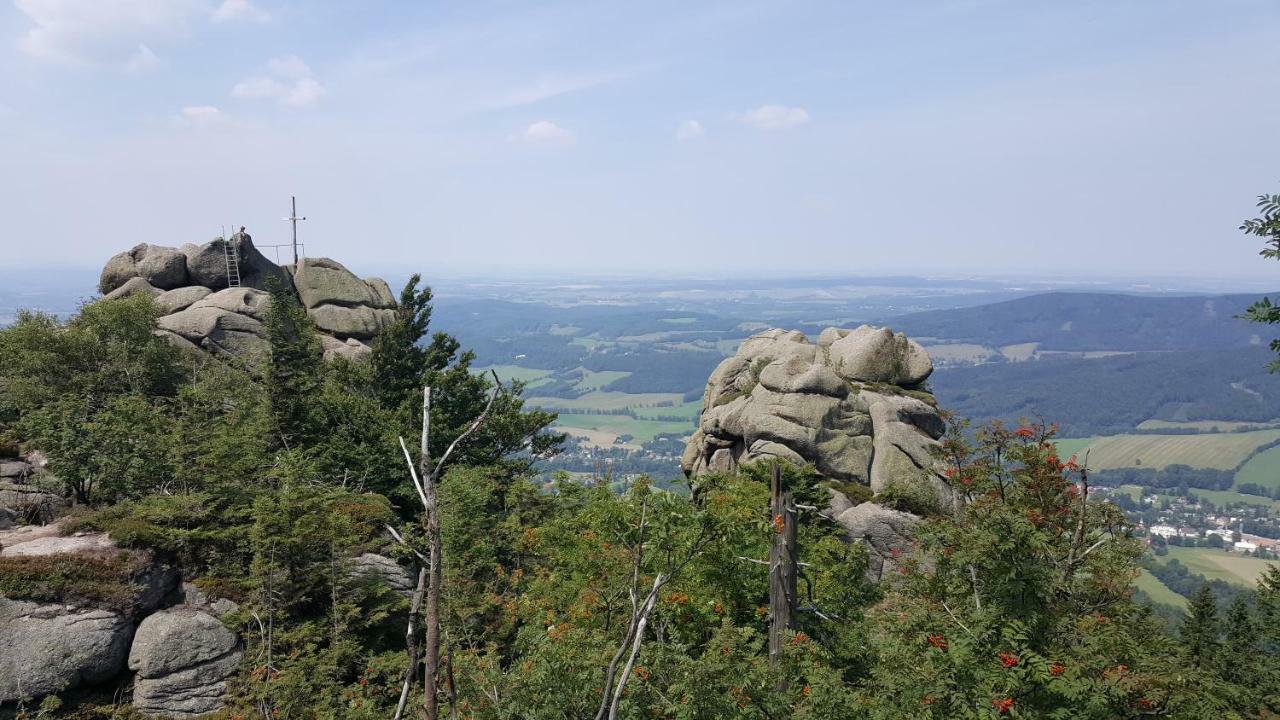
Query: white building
point(1165, 531)
point(1244, 545)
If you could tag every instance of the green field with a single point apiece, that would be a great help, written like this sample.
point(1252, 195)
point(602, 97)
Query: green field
point(564, 330)
point(596, 379)
point(680, 320)
point(1218, 565)
point(1073, 446)
point(642, 430)
point(1224, 497)
point(1200, 425)
point(609, 400)
point(1158, 591)
point(1220, 451)
point(533, 376)
point(688, 410)
point(1262, 469)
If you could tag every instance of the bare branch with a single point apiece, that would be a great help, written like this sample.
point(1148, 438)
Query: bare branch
point(413, 473)
point(497, 387)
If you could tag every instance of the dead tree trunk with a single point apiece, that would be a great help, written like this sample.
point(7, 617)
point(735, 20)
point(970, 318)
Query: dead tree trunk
point(431, 656)
point(782, 568)
point(425, 479)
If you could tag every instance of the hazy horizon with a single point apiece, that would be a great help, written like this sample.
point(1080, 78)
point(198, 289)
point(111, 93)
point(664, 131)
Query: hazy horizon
point(957, 137)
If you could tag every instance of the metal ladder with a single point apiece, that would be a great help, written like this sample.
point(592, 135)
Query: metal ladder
point(233, 263)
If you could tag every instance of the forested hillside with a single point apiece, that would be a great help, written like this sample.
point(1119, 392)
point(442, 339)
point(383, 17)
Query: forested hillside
point(1094, 322)
point(1108, 395)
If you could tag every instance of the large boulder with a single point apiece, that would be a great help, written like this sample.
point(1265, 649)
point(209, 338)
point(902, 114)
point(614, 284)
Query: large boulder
point(322, 281)
point(877, 355)
point(362, 323)
point(181, 298)
point(162, 267)
point(183, 658)
point(382, 569)
point(217, 330)
point(133, 286)
point(52, 648)
point(888, 534)
point(207, 263)
point(240, 300)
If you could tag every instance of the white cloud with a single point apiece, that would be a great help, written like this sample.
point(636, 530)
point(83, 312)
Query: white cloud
point(288, 81)
point(143, 60)
point(776, 117)
point(288, 66)
point(545, 132)
point(690, 129)
point(202, 116)
point(101, 32)
point(239, 10)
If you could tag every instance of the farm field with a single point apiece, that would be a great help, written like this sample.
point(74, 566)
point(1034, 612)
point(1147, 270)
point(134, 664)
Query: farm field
point(533, 376)
point(1218, 565)
point(1220, 451)
point(1158, 591)
point(1199, 425)
point(594, 380)
point(1262, 469)
point(1073, 446)
point(960, 353)
point(688, 410)
point(1225, 497)
point(642, 431)
point(609, 400)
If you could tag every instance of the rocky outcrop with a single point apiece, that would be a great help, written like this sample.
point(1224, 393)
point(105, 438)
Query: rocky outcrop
point(199, 311)
point(853, 405)
point(52, 648)
point(381, 569)
point(182, 657)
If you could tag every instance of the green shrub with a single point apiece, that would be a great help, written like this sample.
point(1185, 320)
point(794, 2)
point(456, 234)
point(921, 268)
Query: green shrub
point(106, 579)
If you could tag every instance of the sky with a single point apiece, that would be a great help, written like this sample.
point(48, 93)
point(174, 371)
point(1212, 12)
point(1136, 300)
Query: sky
point(1107, 137)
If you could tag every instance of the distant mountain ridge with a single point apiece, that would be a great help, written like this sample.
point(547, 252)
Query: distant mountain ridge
point(1073, 321)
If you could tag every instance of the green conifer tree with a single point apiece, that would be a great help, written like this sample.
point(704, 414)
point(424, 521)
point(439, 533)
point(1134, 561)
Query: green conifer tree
point(294, 369)
point(1199, 631)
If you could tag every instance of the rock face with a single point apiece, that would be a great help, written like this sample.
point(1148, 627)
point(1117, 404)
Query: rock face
point(852, 405)
point(379, 568)
point(182, 657)
point(51, 648)
point(201, 312)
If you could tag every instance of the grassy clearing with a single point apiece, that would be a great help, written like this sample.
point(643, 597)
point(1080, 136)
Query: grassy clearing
point(641, 430)
point(1158, 591)
point(565, 330)
point(595, 380)
point(609, 400)
point(1262, 469)
point(1220, 451)
point(1218, 565)
point(532, 376)
point(680, 320)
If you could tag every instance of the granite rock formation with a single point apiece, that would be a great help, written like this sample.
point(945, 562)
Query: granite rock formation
point(853, 405)
point(201, 311)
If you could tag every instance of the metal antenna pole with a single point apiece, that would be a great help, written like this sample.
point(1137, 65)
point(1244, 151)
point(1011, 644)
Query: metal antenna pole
point(293, 218)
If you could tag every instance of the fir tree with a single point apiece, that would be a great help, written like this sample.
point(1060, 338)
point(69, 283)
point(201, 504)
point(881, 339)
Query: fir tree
point(294, 369)
point(1199, 630)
